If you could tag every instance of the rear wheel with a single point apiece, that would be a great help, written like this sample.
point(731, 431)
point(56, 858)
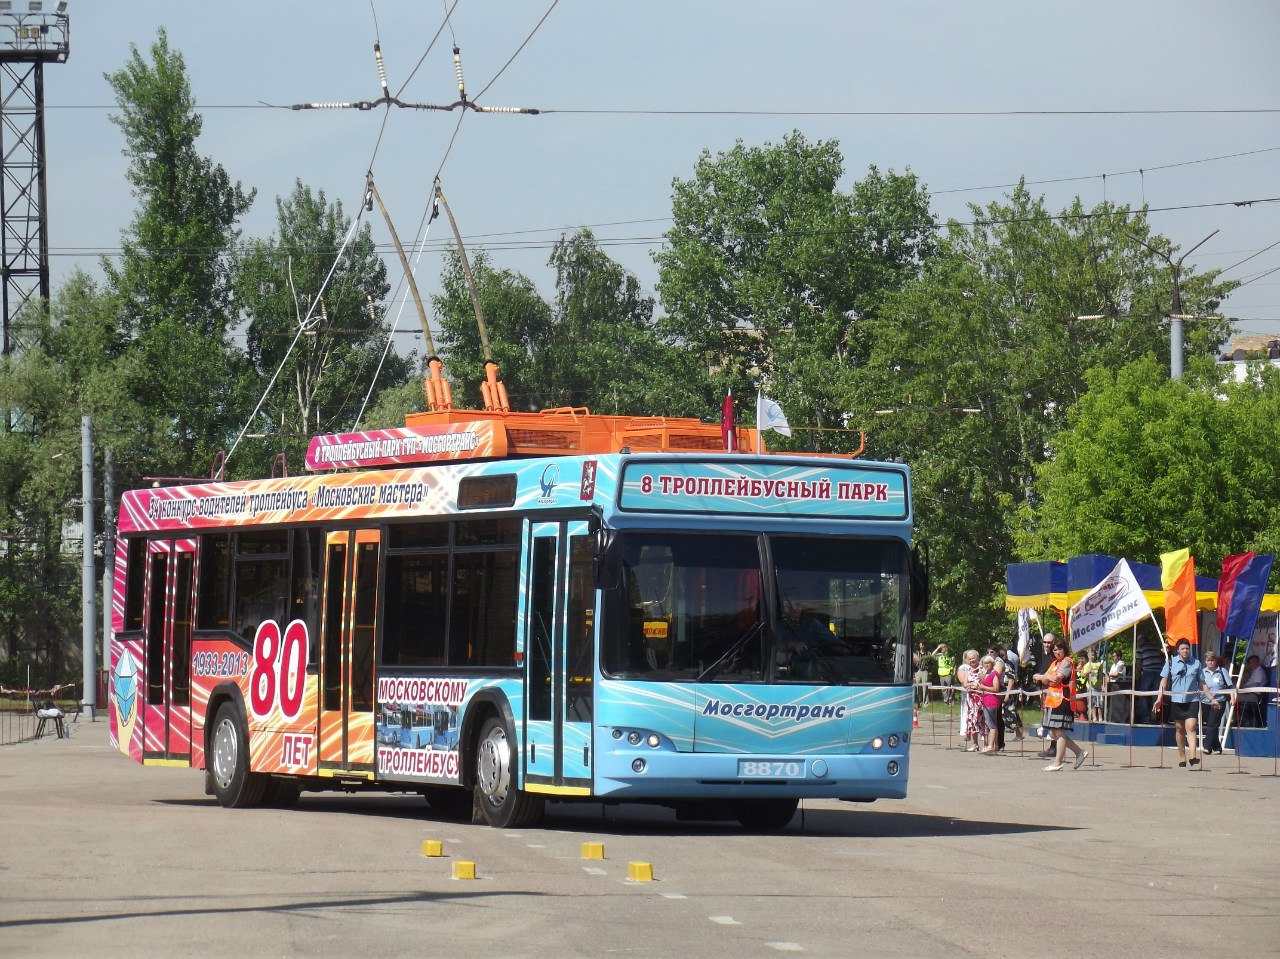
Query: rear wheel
point(765, 815)
point(501, 801)
point(233, 784)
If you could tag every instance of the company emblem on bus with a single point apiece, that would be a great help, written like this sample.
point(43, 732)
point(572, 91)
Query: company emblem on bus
point(587, 490)
point(548, 482)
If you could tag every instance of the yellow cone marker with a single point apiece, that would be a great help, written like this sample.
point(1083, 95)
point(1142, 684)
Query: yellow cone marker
point(640, 871)
point(464, 870)
point(593, 850)
point(432, 847)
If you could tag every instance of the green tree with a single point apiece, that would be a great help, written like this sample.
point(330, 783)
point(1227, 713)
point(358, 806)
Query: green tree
point(313, 317)
point(65, 370)
point(394, 403)
point(605, 352)
point(978, 363)
point(772, 273)
point(518, 322)
point(1149, 464)
point(174, 275)
point(596, 345)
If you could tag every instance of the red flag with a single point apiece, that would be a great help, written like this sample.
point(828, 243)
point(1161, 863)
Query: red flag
point(728, 430)
point(1232, 567)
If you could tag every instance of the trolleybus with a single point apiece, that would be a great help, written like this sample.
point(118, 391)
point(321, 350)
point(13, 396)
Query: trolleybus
point(497, 609)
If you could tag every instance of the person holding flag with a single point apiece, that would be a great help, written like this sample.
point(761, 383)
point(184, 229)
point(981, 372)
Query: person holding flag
point(1184, 675)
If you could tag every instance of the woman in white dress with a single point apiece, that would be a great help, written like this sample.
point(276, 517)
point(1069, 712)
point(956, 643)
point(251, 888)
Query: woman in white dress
point(973, 727)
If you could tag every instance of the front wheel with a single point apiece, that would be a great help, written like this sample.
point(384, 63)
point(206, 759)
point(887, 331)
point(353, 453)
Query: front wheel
point(233, 784)
point(765, 815)
point(502, 803)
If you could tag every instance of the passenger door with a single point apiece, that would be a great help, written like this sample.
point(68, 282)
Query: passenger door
point(352, 559)
point(560, 661)
point(167, 637)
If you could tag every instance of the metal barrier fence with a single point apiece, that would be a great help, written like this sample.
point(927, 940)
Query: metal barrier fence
point(941, 727)
point(20, 719)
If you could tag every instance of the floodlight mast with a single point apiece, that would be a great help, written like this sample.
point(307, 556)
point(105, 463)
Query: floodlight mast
point(29, 38)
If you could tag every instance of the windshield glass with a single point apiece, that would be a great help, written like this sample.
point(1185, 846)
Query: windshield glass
point(686, 604)
point(691, 607)
point(843, 610)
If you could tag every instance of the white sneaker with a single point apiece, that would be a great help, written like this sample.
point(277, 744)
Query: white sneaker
point(1054, 768)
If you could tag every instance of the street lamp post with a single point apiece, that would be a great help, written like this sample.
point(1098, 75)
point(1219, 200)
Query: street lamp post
point(1176, 314)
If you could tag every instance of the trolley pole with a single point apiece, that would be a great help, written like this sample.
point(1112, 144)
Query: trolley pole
point(108, 557)
point(88, 579)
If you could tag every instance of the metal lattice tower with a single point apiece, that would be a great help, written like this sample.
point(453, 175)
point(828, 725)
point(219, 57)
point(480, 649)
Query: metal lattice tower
point(29, 38)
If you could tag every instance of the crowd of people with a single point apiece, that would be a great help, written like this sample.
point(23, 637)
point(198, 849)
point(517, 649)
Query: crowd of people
point(990, 689)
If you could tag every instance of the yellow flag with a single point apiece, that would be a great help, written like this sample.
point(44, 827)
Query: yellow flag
point(1171, 566)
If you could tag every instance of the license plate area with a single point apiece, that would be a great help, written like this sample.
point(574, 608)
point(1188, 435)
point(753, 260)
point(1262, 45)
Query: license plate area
point(771, 769)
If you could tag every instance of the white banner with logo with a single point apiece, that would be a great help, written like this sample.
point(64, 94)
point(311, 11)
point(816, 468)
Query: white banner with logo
point(1113, 605)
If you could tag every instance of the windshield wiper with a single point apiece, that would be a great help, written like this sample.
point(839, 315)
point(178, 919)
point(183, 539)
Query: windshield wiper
point(736, 647)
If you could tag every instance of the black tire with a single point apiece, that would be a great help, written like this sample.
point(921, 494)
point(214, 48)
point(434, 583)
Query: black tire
point(501, 802)
point(228, 761)
point(281, 793)
point(765, 815)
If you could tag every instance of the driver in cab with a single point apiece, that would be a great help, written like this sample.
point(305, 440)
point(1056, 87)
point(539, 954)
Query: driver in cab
point(803, 638)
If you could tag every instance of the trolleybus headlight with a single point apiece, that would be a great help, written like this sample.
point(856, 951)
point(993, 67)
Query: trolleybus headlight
point(893, 741)
point(893, 768)
point(617, 734)
point(633, 738)
point(637, 765)
point(877, 743)
point(653, 740)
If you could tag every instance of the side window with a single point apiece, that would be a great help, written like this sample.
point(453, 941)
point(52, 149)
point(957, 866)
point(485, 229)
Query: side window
point(413, 631)
point(482, 617)
point(135, 584)
point(214, 601)
point(304, 592)
point(261, 584)
point(451, 593)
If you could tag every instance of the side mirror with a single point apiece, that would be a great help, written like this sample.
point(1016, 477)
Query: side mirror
point(919, 581)
point(607, 559)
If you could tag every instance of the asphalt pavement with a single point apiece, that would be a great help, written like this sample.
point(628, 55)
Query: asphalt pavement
point(1128, 856)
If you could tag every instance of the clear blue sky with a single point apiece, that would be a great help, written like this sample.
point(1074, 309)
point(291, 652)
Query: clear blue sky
point(515, 182)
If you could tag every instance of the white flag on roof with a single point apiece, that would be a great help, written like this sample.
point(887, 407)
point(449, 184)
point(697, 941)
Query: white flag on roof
point(769, 416)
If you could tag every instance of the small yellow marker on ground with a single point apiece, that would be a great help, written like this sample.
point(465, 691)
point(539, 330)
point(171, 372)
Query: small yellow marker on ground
point(640, 872)
point(464, 870)
point(432, 847)
point(593, 850)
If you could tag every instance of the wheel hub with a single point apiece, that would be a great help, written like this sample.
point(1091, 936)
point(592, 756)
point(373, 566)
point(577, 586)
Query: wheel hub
point(225, 750)
point(492, 767)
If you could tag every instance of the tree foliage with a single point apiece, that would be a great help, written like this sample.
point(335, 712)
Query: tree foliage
point(595, 345)
point(977, 364)
point(65, 370)
point(323, 349)
point(1149, 465)
point(772, 273)
point(174, 275)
